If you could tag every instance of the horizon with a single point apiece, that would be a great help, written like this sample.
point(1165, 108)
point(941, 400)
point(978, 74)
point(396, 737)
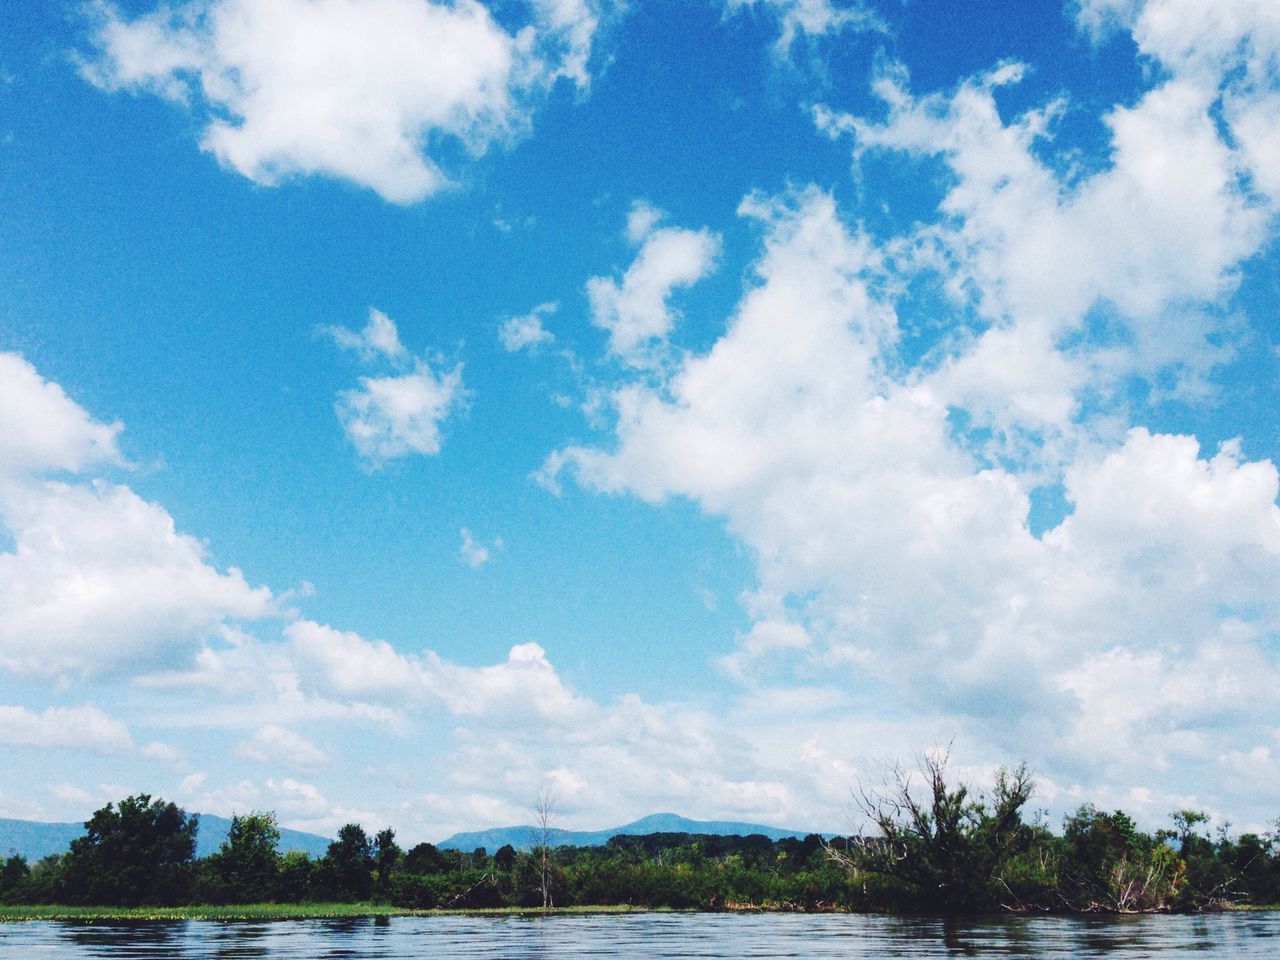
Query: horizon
point(410, 409)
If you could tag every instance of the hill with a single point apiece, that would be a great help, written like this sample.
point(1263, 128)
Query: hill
point(524, 836)
point(34, 839)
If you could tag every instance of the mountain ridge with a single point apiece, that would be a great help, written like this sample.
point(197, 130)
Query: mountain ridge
point(34, 839)
point(524, 836)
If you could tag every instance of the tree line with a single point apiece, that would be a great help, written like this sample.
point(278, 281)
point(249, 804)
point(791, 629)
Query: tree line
point(930, 845)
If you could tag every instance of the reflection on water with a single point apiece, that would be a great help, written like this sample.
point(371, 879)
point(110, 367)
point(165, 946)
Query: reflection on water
point(653, 936)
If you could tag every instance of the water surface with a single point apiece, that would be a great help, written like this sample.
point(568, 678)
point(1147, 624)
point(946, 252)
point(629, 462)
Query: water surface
point(653, 936)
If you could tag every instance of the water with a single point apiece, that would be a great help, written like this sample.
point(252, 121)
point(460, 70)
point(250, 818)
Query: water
point(653, 937)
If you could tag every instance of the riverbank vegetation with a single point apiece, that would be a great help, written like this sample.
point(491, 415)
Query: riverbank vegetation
point(929, 845)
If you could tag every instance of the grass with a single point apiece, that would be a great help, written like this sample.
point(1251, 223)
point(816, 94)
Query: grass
point(268, 911)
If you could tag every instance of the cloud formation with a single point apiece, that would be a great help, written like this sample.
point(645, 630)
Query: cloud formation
point(810, 19)
point(392, 416)
point(885, 496)
point(526, 331)
point(360, 91)
point(98, 579)
point(634, 309)
point(77, 728)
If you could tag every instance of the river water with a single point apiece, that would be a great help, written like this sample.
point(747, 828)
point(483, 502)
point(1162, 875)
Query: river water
point(653, 936)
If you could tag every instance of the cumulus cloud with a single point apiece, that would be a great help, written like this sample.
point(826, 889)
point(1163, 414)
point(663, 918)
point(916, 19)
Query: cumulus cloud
point(76, 728)
point(294, 800)
point(526, 332)
point(886, 501)
point(98, 579)
point(1155, 241)
point(281, 747)
point(392, 416)
point(124, 592)
point(165, 753)
point(43, 430)
point(359, 90)
point(634, 309)
point(345, 664)
point(378, 340)
point(387, 418)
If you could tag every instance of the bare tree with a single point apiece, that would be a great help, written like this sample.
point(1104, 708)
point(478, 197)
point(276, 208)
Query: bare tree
point(546, 812)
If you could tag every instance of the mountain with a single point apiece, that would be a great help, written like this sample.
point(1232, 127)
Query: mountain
point(33, 839)
point(525, 836)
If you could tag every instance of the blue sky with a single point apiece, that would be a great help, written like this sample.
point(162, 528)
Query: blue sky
point(406, 407)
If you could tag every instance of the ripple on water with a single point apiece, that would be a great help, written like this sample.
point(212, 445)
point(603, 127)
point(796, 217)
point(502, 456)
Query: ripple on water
point(653, 936)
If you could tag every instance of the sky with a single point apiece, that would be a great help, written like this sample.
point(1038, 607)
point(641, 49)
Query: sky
point(408, 408)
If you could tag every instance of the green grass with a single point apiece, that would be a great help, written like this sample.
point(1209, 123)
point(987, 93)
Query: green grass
point(266, 911)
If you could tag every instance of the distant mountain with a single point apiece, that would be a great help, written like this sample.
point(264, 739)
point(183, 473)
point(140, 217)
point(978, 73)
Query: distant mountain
point(33, 839)
point(524, 837)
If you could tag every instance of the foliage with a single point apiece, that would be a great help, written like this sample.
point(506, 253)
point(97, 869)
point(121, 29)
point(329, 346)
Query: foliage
point(932, 846)
point(346, 870)
point(138, 853)
point(246, 868)
point(1108, 865)
point(937, 848)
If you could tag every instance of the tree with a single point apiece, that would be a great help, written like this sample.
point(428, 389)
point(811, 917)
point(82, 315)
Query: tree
point(936, 847)
point(248, 862)
point(1109, 865)
point(388, 854)
point(545, 811)
point(504, 858)
point(13, 872)
point(139, 852)
point(346, 872)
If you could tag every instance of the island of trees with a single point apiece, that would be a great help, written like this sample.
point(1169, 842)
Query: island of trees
point(931, 847)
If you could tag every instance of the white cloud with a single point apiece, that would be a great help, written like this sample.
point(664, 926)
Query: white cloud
point(393, 416)
point(811, 18)
point(902, 556)
point(1229, 49)
point(474, 553)
point(378, 340)
point(527, 331)
point(292, 799)
point(345, 664)
point(635, 309)
point(165, 753)
point(359, 90)
point(42, 429)
point(1164, 227)
point(279, 746)
point(99, 580)
point(766, 639)
point(387, 418)
point(75, 728)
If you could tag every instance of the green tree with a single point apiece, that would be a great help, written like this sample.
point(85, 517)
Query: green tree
point(936, 847)
point(13, 873)
point(504, 858)
point(346, 872)
point(137, 853)
point(385, 859)
point(248, 862)
point(297, 872)
point(1107, 864)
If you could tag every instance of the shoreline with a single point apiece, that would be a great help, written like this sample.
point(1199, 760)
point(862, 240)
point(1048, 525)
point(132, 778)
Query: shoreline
point(268, 912)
